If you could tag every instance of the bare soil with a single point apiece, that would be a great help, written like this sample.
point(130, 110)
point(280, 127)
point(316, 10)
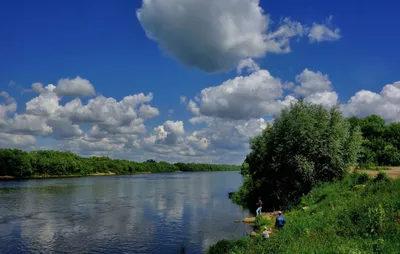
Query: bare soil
point(394, 172)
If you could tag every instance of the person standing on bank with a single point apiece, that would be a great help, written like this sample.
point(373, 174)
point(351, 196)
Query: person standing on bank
point(259, 204)
point(280, 221)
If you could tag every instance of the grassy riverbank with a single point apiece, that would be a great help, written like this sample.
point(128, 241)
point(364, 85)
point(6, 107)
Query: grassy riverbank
point(17, 164)
point(359, 214)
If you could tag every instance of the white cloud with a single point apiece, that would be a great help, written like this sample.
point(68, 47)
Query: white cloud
point(385, 104)
point(37, 87)
point(16, 141)
point(324, 32)
point(169, 134)
point(45, 116)
point(229, 30)
point(312, 82)
point(74, 87)
point(326, 99)
point(28, 124)
point(46, 104)
point(223, 136)
point(9, 106)
point(107, 111)
point(248, 64)
point(243, 97)
point(147, 112)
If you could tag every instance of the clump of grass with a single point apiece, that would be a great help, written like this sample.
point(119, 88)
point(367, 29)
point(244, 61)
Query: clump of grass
point(339, 220)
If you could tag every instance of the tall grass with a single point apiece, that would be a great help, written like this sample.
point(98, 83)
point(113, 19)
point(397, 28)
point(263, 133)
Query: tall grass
point(355, 215)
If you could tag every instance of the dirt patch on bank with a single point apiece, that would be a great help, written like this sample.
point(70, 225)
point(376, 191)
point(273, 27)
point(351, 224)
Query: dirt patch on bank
point(393, 172)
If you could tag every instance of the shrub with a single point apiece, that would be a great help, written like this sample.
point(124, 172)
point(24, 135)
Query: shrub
point(362, 178)
point(381, 177)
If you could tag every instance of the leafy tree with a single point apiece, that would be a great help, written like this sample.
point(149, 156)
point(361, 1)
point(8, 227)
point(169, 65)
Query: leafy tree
point(305, 146)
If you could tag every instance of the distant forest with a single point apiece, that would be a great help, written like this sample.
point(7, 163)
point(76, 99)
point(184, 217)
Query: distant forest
point(17, 163)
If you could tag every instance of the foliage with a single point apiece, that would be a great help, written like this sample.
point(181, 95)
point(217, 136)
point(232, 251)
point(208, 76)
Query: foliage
point(381, 177)
point(362, 178)
point(18, 163)
point(381, 142)
point(261, 222)
point(188, 167)
point(305, 146)
point(340, 219)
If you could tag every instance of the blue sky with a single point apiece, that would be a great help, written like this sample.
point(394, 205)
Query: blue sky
point(105, 43)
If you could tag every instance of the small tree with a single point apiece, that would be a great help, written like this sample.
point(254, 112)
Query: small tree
point(306, 145)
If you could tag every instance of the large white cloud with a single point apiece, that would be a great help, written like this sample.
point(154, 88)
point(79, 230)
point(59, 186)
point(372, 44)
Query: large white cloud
point(243, 97)
point(214, 35)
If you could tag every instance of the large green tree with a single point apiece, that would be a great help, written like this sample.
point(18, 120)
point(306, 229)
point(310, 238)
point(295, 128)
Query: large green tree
point(305, 145)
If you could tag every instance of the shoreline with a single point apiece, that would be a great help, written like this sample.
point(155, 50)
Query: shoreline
point(16, 178)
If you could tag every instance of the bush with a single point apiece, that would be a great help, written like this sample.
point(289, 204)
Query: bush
point(381, 177)
point(362, 178)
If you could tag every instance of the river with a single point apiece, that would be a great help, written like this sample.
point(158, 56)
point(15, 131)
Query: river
point(152, 213)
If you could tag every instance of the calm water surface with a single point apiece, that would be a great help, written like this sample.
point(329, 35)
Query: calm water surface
point(152, 213)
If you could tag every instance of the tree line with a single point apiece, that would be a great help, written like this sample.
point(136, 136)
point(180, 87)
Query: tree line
point(18, 163)
point(381, 141)
point(308, 145)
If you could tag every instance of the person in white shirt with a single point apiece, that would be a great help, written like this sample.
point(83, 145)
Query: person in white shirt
point(265, 233)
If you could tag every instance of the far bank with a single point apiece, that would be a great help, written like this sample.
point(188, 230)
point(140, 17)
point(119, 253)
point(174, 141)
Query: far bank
point(17, 164)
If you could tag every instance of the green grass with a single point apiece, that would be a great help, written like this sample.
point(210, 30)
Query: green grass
point(355, 215)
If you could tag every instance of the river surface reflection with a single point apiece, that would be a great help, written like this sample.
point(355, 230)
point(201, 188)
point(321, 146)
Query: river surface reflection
point(152, 213)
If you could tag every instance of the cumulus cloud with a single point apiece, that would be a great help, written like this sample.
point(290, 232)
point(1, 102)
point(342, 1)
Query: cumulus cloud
point(45, 116)
point(16, 141)
point(312, 82)
point(385, 104)
point(221, 135)
point(168, 134)
point(214, 35)
point(147, 112)
point(248, 64)
point(326, 99)
point(324, 32)
point(7, 107)
point(74, 87)
point(243, 97)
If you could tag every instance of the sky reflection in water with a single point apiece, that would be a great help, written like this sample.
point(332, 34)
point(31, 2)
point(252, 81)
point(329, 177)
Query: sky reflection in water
point(119, 214)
